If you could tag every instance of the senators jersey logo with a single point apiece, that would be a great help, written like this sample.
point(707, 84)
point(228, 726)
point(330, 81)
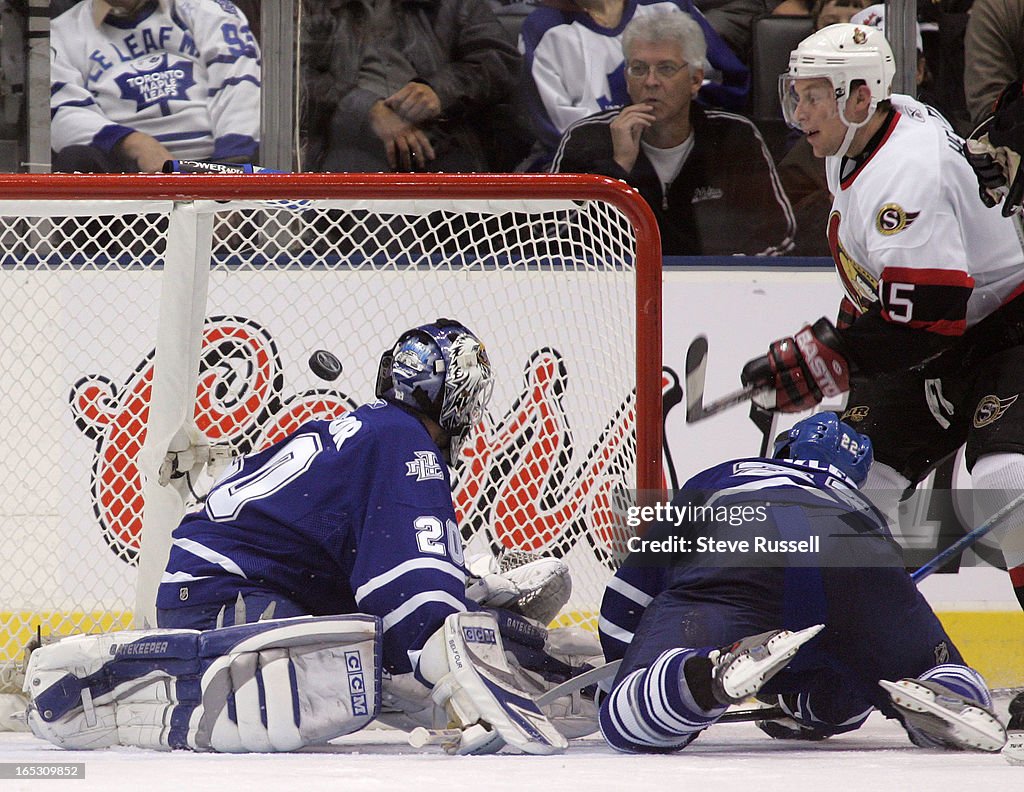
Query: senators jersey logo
point(991, 409)
point(861, 286)
point(893, 218)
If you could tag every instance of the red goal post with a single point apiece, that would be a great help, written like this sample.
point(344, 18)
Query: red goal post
point(143, 312)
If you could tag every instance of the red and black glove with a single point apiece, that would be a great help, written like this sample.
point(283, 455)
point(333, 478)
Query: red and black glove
point(803, 369)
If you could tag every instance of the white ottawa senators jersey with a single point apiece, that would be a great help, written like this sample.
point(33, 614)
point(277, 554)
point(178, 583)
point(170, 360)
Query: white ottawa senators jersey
point(908, 230)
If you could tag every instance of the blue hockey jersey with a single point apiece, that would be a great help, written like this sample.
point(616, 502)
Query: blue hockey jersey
point(762, 502)
point(343, 516)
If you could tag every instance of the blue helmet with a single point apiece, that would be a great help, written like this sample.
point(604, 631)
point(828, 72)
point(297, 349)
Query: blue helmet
point(440, 370)
point(824, 438)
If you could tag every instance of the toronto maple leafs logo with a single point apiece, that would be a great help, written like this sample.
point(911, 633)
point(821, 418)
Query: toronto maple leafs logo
point(157, 81)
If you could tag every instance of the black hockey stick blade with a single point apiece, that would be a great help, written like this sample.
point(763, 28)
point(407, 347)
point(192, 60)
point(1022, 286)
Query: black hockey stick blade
point(753, 714)
point(696, 369)
point(766, 421)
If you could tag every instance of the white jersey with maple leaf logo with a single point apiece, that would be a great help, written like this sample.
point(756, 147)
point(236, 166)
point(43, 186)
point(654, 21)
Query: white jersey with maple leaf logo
point(909, 231)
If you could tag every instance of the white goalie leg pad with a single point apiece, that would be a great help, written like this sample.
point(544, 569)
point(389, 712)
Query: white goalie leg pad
point(529, 584)
point(301, 682)
point(270, 686)
point(480, 689)
point(77, 687)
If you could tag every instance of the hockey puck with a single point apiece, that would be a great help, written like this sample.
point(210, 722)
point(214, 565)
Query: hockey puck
point(325, 365)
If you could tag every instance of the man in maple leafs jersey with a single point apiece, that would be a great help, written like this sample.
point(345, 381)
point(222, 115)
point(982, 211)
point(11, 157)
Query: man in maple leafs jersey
point(138, 82)
point(777, 577)
point(930, 337)
point(353, 515)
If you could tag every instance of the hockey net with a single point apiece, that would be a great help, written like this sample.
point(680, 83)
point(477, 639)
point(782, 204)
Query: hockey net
point(145, 312)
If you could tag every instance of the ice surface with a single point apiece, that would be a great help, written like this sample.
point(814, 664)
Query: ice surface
point(726, 758)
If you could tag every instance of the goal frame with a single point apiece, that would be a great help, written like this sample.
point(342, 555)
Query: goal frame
point(424, 186)
point(428, 188)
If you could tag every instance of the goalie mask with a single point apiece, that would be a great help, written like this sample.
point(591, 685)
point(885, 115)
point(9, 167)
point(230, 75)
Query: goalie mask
point(839, 55)
point(440, 370)
point(824, 438)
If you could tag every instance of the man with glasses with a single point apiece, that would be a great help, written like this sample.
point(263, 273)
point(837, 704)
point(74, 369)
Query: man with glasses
point(706, 173)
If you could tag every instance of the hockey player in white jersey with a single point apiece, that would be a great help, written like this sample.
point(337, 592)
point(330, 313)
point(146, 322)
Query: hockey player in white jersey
point(930, 338)
point(137, 82)
point(323, 584)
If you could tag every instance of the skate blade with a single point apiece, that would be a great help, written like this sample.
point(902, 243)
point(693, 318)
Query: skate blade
point(747, 674)
point(973, 727)
point(1013, 751)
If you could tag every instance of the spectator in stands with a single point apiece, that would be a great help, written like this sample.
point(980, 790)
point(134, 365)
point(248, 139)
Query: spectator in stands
point(706, 173)
point(800, 8)
point(573, 65)
point(834, 12)
point(138, 82)
point(733, 20)
point(993, 53)
point(945, 51)
point(403, 85)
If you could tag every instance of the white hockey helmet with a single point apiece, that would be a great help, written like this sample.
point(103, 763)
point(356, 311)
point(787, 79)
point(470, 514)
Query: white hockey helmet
point(841, 54)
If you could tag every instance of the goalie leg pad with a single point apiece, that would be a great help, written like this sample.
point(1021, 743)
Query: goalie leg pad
point(271, 686)
point(480, 688)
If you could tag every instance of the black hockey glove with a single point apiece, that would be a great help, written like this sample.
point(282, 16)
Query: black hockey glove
point(802, 369)
point(994, 150)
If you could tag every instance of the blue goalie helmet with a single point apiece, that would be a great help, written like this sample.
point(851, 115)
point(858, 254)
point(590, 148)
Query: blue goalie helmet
point(440, 370)
point(824, 438)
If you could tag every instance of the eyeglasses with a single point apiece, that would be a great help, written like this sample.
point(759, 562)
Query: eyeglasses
point(665, 70)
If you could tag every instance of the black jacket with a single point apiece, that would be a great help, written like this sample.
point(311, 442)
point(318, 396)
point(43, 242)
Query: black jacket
point(727, 198)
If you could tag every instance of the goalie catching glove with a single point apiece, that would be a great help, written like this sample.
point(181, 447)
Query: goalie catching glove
point(799, 372)
point(276, 685)
point(529, 584)
point(994, 150)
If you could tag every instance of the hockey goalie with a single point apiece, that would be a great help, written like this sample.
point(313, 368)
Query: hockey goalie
point(322, 585)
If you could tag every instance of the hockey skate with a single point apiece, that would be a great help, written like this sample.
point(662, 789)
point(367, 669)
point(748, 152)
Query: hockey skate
point(941, 716)
point(1013, 751)
point(739, 671)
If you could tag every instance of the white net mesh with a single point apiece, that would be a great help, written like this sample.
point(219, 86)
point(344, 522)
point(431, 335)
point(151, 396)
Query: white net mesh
point(550, 286)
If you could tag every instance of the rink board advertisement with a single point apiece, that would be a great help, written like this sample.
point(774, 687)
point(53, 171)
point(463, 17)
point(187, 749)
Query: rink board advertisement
point(75, 534)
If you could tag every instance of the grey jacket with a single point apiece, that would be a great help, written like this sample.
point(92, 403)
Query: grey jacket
point(361, 51)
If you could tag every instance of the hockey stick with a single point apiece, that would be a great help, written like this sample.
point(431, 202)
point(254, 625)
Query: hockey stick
point(767, 422)
point(595, 675)
point(968, 539)
point(773, 712)
point(578, 682)
point(696, 369)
